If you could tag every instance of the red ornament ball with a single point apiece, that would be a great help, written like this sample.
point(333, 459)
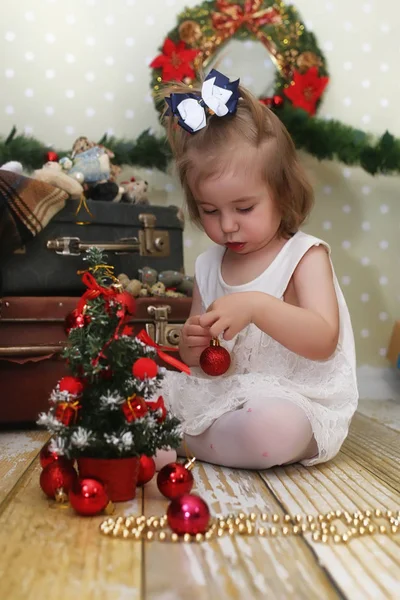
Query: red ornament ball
point(188, 514)
point(174, 480)
point(58, 474)
point(147, 468)
point(88, 497)
point(128, 301)
point(145, 367)
point(75, 319)
point(51, 156)
point(72, 385)
point(47, 457)
point(277, 101)
point(215, 360)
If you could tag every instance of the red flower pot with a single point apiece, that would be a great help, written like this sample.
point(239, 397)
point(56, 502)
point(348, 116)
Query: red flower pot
point(119, 475)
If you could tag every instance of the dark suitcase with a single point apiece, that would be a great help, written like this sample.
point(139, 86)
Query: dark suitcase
point(32, 338)
point(133, 236)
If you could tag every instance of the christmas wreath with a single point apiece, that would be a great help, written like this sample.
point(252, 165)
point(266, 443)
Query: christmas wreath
point(301, 74)
point(201, 32)
point(301, 79)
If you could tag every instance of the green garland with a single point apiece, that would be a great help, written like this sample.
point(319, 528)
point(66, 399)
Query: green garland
point(148, 151)
point(325, 140)
point(204, 30)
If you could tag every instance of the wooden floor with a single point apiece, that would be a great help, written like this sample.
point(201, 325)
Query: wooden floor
point(52, 553)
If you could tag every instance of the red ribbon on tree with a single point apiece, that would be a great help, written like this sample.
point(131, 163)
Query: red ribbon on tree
point(66, 412)
point(232, 16)
point(94, 291)
point(159, 405)
point(144, 337)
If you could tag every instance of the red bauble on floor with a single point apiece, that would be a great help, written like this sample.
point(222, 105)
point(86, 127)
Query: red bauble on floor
point(188, 514)
point(88, 497)
point(56, 477)
point(119, 475)
point(175, 479)
point(147, 468)
point(215, 360)
point(47, 457)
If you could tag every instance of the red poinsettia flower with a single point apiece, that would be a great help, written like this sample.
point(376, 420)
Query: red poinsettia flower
point(176, 61)
point(306, 89)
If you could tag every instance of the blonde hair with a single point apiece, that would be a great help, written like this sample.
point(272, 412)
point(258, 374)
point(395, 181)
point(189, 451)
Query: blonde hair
point(254, 124)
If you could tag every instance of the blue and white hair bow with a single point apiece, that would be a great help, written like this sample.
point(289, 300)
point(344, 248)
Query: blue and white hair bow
point(218, 94)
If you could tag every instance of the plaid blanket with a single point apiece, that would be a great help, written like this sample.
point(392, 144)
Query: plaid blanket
point(26, 207)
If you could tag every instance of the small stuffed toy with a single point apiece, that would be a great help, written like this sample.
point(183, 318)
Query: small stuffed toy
point(135, 192)
point(13, 166)
point(53, 173)
point(106, 191)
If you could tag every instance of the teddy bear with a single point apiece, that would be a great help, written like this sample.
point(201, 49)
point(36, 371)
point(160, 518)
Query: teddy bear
point(90, 164)
point(82, 144)
point(135, 192)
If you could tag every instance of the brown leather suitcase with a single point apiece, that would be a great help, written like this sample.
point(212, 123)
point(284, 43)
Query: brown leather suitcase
point(32, 338)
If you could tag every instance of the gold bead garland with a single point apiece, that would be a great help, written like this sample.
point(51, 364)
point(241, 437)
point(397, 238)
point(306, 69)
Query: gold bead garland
point(322, 526)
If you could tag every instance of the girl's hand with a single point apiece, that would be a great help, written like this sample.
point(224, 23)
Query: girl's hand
point(194, 339)
point(229, 315)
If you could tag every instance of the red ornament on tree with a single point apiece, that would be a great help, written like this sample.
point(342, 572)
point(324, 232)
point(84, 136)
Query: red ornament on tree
point(127, 330)
point(75, 319)
point(47, 457)
point(273, 101)
point(188, 514)
point(72, 385)
point(145, 367)
point(175, 479)
point(56, 477)
point(134, 408)
point(147, 468)
point(215, 360)
point(67, 412)
point(128, 301)
point(51, 156)
point(88, 497)
point(176, 61)
point(306, 89)
point(159, 405)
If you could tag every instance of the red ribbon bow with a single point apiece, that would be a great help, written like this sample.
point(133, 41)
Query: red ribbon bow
point(159, 405)
point(144, 337)
point(94, 290)
point(232, 16)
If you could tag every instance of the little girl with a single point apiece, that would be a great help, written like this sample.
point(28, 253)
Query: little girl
point(265, 288)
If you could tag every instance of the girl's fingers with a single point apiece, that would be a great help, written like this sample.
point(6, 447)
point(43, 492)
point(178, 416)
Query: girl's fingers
point(209, 318)
point(196, 330)
point(197, 341)
point(219, 327)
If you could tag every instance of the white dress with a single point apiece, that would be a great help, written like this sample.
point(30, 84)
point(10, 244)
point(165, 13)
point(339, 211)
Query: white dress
point(261, 367)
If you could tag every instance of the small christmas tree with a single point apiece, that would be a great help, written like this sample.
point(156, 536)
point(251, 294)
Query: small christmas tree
point(107, 408)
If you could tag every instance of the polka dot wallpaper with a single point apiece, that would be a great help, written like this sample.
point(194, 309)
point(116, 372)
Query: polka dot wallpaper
point(81, 68)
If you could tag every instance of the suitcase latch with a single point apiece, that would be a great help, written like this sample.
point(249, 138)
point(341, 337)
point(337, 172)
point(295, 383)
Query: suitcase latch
point(162, 332)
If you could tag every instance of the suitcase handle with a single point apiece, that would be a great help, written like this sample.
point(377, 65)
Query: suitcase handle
point(24, 351)
point(151, 242)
